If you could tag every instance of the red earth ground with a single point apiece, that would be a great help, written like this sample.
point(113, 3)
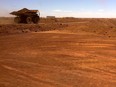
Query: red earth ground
point(73, 54)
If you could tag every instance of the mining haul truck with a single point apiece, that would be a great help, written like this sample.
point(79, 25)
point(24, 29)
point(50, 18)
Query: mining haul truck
point(26, 16)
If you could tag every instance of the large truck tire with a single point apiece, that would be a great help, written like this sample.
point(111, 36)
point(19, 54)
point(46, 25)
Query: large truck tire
point(29, 20)
point(36, 19)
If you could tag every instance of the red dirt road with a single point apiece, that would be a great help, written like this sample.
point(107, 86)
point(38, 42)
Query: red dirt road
point(57, 59)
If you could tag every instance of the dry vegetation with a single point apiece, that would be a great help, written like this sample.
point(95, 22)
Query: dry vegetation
point(64, 52)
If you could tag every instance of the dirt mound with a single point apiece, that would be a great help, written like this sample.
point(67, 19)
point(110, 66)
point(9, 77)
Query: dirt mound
point(100, 26)
point(22, 28)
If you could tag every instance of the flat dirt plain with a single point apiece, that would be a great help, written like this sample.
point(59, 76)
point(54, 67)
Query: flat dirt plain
point(62, 53)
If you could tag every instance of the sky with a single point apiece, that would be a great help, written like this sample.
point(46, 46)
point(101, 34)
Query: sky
point(63, 8)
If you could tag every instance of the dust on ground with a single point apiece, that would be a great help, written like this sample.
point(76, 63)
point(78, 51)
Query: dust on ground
point(74, 54)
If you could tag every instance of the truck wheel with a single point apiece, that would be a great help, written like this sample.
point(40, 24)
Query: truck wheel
point(17, 19)
point(29, 20)
point(36, 19)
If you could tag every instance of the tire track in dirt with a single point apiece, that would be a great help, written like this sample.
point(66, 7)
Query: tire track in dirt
point(60, 60)
point(46, 83)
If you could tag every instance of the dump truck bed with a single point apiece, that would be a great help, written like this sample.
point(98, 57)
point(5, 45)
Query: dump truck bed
point(24, 12)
